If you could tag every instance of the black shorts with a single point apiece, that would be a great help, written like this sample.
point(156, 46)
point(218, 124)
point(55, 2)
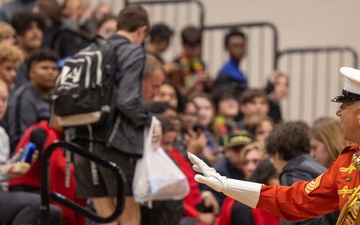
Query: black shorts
point(107, 186)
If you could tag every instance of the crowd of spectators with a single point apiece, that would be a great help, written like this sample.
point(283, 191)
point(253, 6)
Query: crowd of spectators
point(222, 118)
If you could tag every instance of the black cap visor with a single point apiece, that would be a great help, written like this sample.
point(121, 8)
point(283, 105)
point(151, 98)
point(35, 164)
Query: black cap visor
point(346, 97)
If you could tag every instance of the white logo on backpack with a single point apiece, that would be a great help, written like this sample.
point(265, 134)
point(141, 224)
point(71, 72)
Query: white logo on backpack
point(70, 77)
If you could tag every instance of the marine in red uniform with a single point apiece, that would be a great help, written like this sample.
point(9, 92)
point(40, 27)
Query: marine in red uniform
point(338, 187)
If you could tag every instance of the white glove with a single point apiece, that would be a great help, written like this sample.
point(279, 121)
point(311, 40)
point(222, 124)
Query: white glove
point(242, 191)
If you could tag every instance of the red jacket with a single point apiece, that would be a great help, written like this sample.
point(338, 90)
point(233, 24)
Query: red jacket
point(260, 217)
point(323, 195)
point(57, 173)
point(194, 197)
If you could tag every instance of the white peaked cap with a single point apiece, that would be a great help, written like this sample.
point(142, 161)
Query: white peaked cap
point(351, 90)
point(352, 79)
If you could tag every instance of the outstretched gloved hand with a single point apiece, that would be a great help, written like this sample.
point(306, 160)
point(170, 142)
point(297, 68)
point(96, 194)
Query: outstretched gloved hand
point(243, 191)
point(210, 177)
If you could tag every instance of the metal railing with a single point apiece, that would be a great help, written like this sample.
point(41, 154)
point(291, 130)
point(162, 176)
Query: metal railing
point(261, 50)
point(177, 14)
point(46, 196)
point(314, 79)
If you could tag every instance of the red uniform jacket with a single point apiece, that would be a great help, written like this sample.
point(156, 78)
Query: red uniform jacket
point(57, 173)
point(323, 195)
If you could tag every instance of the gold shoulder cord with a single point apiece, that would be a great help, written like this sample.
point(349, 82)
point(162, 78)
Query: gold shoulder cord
point(349, 214)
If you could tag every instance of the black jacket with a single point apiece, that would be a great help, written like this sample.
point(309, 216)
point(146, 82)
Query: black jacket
point(128, 79)
point(304, 167)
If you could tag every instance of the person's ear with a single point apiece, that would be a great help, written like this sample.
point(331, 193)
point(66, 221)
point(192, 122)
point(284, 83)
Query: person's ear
point(142, 30)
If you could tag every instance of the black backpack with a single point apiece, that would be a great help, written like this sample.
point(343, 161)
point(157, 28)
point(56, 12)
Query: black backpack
point(84, 94)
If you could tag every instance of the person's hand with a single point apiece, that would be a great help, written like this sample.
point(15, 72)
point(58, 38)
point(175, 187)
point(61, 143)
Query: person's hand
point(210, 177)
point(195, 142)
point(87, 12)
point(16, 170)
point(206, 218)
point(242, 191)
point(210, 202)
point(202, 77)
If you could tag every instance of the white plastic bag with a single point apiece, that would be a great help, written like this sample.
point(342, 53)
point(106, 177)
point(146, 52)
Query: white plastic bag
point(157, 177)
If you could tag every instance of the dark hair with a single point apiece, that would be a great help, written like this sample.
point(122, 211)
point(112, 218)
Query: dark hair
point(158, 107)
point(199, 94)
point(264, 172)
point(166, 124)
point(232, 33)
point(249, 95)
point(180, 97)
point(289, 139)
point(160, 32)
point(253, 122)
point(50, 9)
point(42, 54)
point(132, 17)
point(191, 36)
point(221, 93)
point(104, 19)
point(21, 21)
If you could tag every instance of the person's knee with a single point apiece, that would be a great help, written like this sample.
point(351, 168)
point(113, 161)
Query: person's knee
point(55, 215)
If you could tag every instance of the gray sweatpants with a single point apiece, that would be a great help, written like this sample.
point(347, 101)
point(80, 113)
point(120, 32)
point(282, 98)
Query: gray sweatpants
point(24, 208)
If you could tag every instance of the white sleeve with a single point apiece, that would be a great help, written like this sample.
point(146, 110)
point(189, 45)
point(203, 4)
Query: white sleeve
point(243, 191)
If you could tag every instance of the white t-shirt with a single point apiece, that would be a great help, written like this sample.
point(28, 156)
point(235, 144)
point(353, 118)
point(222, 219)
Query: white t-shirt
point(4, 146)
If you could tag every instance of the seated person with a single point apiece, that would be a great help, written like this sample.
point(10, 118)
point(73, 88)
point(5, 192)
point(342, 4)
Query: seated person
point(234, 212)
point(7, 34)
point(188, 138)
point(9, 8)
point(106, 26)
point(167, 211)
point(277, 89)
point(17, 207)
point(193, 75)
point(230, 74)
point(206, 112)
point(10, 57)
point(4, 138)
point(199, 206)
point(30, 103)
point(30, 28)
point(22, 207)
point(42, 135)
point(227, 107)
point(231, 165)
point(260, 127)
point(252, 102)
point(160, 37)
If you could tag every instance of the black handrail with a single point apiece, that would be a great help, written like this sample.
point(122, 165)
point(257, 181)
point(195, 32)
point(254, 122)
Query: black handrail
point(46, 196)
